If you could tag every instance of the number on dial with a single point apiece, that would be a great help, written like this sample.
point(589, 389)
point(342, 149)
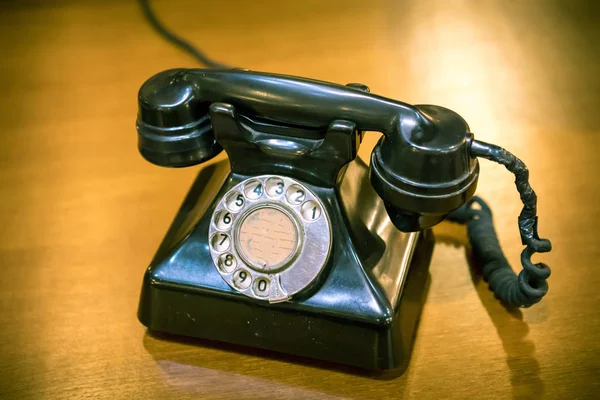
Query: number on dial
point(253, 189)
point(235, 202)
point(295, 195)
point(227, 263)
point(275, 187)
point(223, 220)
point(220, 241)
point(310, 210)
point(242, 278)
point(261, 287)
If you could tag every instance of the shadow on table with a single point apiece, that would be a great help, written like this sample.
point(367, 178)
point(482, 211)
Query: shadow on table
point(270, 355)
point(512, 330)
point(236, 369)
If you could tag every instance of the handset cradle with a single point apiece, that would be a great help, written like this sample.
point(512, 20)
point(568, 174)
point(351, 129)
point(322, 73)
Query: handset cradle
point(421, 168)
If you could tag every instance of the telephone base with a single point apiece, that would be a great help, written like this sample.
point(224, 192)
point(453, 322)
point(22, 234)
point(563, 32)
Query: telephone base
point(346, 319)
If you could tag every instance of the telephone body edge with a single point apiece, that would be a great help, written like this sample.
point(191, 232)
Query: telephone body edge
point(185, 297)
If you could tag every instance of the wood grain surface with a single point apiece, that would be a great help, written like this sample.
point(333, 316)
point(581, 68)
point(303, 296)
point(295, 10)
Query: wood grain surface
point(81, 213)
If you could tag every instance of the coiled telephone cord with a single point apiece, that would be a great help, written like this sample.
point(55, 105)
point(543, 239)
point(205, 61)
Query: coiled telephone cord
point(530, 285)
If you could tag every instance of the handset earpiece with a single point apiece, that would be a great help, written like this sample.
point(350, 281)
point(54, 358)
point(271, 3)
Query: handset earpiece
point(173, 125)
point(422, 169)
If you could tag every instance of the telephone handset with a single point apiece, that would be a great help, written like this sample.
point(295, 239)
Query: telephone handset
point(292, 246)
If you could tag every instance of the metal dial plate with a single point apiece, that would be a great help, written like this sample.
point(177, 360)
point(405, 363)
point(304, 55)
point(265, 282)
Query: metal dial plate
point(270, 237)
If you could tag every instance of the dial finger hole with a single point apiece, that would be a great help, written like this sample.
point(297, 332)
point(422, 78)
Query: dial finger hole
point(310, 210)
point(220, 242)
point(275, 187)
point(223, 220)
point(295, 194)
point(235, 201)
point(227, 263)
point(242, 279)
point(253, 189)
point(261, 287)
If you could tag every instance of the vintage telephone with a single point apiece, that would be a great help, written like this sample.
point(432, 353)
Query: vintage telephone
point(293, 243)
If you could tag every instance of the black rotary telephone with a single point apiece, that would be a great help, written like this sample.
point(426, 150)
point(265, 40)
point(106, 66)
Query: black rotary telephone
point(293, 243)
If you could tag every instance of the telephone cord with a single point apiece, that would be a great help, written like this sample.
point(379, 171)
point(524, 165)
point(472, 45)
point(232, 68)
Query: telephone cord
point(175, 39)
point(530, 285)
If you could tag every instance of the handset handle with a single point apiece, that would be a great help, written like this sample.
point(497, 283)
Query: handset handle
point(181, 96)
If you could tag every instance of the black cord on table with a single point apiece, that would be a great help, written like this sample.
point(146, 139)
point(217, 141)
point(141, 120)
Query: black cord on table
point(530, 285)
point(177, 40)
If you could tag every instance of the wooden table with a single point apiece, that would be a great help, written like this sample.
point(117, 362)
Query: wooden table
point(81, 212)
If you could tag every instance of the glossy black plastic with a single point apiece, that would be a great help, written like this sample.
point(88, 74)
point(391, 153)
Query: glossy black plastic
point(345, 318)
point(421, 168)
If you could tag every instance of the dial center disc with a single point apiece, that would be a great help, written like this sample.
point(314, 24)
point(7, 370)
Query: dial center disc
point(268, 238)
